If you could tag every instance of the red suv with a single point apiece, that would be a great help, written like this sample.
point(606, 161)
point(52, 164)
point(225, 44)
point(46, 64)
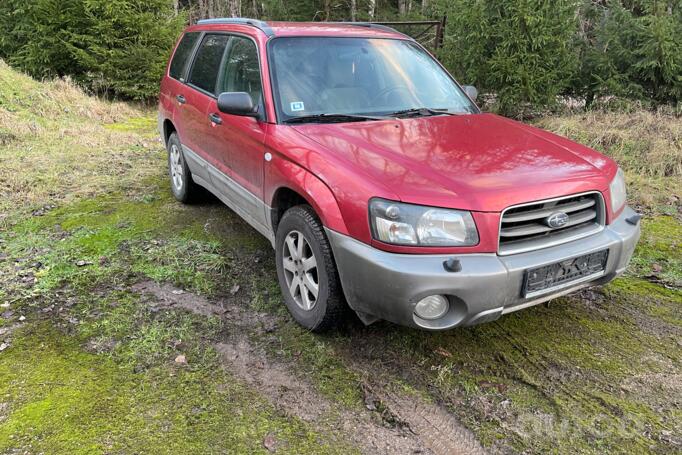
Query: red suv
point(379, 182)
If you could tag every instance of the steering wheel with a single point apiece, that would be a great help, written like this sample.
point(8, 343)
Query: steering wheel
point(388, 90)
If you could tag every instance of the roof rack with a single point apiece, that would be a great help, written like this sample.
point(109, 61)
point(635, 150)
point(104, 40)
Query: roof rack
point(370, 25)
point(261, 25)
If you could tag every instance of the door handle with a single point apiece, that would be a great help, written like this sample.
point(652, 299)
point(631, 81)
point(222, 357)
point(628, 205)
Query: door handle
point(181, 99)
point(215, 118)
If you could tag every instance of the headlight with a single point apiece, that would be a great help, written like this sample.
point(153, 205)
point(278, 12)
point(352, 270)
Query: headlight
point(617, 190)
point(406, 224)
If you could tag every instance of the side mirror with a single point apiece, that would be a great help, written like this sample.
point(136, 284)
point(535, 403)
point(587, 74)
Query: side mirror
point(471, 91)
point(237, 103)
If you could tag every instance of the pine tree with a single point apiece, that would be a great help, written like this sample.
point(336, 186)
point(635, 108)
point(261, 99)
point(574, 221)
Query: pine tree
point(632, 51)
point(116, 46)
point(519, 50)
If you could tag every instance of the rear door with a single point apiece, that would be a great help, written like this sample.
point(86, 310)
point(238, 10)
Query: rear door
point(173, 88)
point(199, 99)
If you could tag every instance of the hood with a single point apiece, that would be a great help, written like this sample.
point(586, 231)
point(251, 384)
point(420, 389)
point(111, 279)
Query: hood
point(479, 162)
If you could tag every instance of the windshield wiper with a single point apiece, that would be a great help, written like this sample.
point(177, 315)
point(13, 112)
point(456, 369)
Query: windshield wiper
point(334, 118)
point(422, 111)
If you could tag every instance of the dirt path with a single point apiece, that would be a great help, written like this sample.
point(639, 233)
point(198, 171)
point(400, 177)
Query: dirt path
point(295, 396)
point(406, 424)
point(436, 428)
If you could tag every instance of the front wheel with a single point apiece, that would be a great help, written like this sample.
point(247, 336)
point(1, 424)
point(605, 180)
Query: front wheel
point(306, 271)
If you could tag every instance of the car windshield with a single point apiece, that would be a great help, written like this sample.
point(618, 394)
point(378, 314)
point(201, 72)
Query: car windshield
point(360, 76)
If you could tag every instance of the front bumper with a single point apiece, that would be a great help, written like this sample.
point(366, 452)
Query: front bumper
point(382, 285)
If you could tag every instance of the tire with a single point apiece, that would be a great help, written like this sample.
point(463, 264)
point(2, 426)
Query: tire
point(182, 186)
point(328, 308)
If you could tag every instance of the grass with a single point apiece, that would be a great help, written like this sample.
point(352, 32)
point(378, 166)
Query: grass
point(86, 214)
point(59, 399)
point(647, 145)
point(559, 364)
point(58, 145)
point(659, 253)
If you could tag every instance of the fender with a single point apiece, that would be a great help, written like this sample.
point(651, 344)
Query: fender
point(282, 173)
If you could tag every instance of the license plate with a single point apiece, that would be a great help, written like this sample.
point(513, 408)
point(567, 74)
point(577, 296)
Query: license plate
point(563, 274)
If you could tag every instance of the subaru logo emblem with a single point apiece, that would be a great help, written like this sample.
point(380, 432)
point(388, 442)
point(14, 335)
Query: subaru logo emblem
point(556, 220)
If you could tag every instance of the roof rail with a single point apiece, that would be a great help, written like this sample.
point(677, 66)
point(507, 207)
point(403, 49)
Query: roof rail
point(261, 25)
point(370, 25)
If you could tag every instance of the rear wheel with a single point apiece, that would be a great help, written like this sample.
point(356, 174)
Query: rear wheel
point(182, 186)
point(306, 271)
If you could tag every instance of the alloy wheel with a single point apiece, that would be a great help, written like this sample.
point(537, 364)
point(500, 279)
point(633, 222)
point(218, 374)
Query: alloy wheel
point(176, 167)
point(300, 270)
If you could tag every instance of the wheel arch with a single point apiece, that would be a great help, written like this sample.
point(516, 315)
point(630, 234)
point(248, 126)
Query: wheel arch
point(303, 188)
point(283, 199)
point(167, 128)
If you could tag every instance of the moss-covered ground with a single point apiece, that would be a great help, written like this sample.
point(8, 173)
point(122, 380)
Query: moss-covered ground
point(88, 366)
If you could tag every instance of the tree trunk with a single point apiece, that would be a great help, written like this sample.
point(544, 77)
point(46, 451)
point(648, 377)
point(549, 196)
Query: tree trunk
point(353, 10)
point(234, 8)
point(425, 7)
point(402, 8)
point(204, 9)
point(327, 9)
point(372, 9)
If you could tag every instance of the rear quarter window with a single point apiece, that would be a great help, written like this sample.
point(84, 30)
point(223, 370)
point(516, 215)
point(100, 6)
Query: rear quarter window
point(182, 55)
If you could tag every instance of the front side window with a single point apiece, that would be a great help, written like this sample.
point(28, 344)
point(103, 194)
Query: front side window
point(182, 54)
point(242, 69)
point(204, 74)
point(326, 75)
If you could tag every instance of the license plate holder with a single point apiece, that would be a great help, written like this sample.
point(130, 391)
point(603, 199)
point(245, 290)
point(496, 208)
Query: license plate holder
point(563, 274)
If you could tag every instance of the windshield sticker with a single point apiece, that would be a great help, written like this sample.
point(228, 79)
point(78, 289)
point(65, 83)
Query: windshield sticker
point(297, 106)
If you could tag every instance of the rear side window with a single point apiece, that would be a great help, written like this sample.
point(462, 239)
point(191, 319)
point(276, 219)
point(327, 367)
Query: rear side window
point(204, 73)
point(182, 54)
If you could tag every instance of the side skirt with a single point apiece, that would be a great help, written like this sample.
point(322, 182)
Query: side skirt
point(246, 204)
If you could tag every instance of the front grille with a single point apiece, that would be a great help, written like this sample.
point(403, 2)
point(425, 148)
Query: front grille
point(527, 227)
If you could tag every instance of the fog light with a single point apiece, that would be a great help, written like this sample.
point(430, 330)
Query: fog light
point(432, 307)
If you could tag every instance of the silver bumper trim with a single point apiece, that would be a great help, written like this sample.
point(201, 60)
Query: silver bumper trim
point(385, 285)
point(568, 284)
point(548, 297)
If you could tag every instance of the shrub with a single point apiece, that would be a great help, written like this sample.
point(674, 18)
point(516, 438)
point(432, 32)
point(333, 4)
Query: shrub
point(632, 51)
point(521, 50)
point(526, 52)
point(115, 46)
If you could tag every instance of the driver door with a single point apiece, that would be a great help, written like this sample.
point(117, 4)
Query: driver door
point(244, 137)
point(238, 141)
